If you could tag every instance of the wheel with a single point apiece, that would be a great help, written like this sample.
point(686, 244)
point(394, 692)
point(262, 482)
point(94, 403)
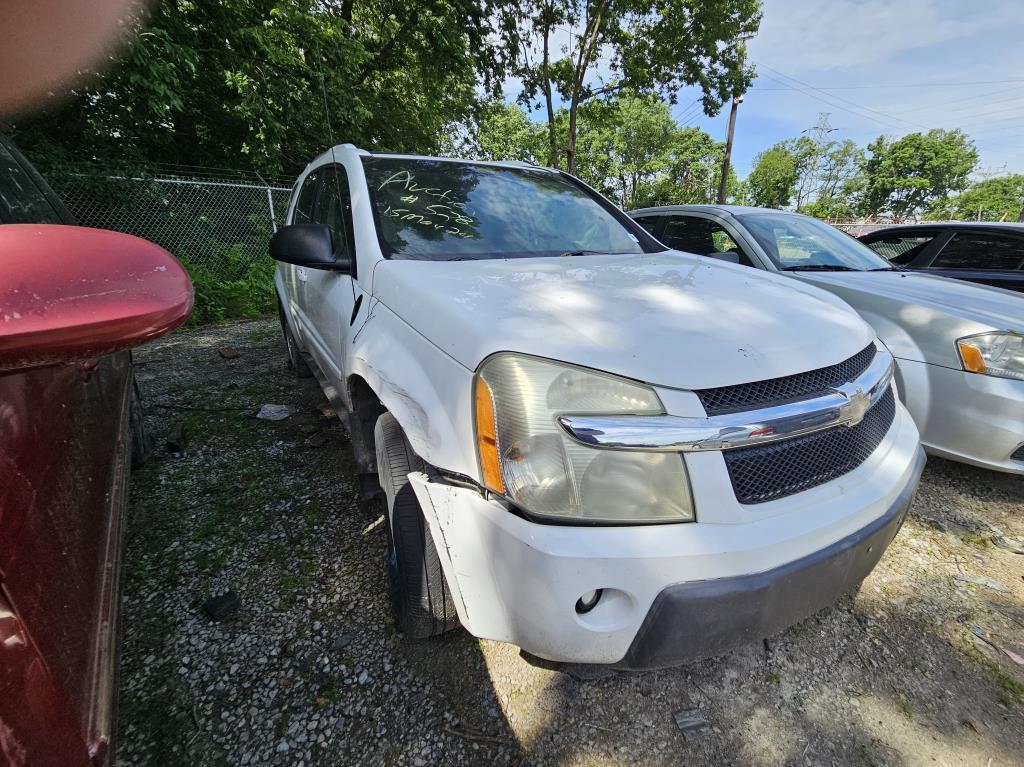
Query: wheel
point(141, 444)
point(419, 593)
point(296, 362)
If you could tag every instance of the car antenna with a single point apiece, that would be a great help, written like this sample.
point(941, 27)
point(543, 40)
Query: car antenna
point(330, 137)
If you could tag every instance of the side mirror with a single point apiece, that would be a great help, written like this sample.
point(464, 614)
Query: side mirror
point(68, 292)
point(730, 255)
point(307, 245)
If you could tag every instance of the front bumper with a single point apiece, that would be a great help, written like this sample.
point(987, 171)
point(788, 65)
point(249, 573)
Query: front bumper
point(690, 621)
point(966, 417)
point(517, 581)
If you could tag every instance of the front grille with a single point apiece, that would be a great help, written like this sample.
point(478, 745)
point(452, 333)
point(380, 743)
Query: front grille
point(768, 472)
point(1018, 454)
point(727, 399)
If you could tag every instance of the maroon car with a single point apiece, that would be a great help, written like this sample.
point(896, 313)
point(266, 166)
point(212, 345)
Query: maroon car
point(72, 302)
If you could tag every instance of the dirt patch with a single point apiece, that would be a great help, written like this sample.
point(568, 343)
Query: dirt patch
point(310, 669)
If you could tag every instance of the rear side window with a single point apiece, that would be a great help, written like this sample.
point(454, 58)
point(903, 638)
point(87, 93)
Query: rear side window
point(981, 251)
point(307, 196)
point(21, 201)
point(902, 249)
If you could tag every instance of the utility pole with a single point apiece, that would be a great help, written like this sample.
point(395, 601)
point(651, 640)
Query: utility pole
point(736, 101)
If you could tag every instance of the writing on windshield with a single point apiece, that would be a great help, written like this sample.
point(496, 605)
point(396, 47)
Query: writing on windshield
point(428, 206)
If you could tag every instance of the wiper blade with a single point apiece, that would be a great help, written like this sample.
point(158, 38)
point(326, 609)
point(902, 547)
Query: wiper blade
point(819, 268)
point(583, 253)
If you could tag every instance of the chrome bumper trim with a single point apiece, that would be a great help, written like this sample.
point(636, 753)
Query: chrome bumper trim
point(844, 406)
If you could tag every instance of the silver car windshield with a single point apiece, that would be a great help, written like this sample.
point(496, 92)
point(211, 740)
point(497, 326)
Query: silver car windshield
point(440, 210)
point(796, 243)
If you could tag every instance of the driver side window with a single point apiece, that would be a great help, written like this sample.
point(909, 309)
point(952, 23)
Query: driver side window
point(334, 210)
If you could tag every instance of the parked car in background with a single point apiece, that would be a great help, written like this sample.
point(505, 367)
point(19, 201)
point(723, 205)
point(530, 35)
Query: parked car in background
point(590, 446)
point(72, 302)
point(959, 347)
point(992, 254)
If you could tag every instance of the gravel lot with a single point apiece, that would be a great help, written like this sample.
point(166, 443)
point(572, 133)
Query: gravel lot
point(310, 669)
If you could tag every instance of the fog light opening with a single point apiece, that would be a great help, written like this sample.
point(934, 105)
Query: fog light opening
point(588, 601)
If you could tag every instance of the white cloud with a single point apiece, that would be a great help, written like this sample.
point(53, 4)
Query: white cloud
point(842, 34)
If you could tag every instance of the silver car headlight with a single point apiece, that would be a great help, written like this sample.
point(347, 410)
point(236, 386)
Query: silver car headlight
point(999, 354)
point(526, 456)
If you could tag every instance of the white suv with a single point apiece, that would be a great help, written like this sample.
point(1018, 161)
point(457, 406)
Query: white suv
point(591, 446)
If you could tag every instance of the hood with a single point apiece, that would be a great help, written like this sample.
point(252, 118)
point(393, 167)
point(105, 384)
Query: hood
point(920, 316)
point(668, 319)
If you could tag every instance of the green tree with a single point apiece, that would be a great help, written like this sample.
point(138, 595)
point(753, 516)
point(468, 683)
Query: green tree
point(994, 199)
point(504, 132)
point(906, 176)
point(268, 84)
point(693, 167)
point(645, 45)
point(773, 180)
point(640, 144)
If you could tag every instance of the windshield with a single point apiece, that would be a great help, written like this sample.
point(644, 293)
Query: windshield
point(796, 243)
point(438, 210)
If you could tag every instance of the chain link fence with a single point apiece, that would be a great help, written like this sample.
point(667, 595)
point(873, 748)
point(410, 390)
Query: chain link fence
point(220, 225)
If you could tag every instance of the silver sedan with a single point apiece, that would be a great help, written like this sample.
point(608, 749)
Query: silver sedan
point(959, 347)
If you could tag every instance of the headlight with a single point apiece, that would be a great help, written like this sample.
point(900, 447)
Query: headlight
point(527, 457)
point(998, 354)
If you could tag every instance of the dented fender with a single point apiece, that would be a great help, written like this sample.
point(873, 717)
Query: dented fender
point(428, 392)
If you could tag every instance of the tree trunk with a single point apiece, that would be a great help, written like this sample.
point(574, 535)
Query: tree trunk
point(587, 42)
point(549, 102)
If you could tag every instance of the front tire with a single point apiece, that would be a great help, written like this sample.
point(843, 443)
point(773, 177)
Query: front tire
point(419, 592)
point(296, 362)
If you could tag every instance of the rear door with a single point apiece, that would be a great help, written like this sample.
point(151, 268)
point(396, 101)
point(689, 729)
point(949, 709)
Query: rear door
point(986, 257)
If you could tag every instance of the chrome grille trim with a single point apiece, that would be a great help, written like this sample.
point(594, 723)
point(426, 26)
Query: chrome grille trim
point(844, 405)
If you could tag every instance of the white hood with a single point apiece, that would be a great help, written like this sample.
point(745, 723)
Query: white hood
point(668, 319)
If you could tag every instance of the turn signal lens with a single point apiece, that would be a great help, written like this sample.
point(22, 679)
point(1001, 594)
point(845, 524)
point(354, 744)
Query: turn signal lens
point(972, 358)
point(487, 438)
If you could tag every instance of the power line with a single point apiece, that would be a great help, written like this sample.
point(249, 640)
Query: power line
point(842, 99)
point(889, 85)
point(945, 104)
point(688, 111)
point(834, 105)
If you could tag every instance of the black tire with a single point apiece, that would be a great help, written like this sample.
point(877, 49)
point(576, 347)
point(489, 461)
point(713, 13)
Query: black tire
point(419, 592)
point(141, 443)
point(296, 362)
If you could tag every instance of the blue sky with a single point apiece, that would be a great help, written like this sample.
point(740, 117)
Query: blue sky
point(853, 53)
point(877, 67)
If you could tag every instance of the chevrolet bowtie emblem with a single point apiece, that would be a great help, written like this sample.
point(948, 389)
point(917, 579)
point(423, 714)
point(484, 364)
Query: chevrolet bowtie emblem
point(856, 405)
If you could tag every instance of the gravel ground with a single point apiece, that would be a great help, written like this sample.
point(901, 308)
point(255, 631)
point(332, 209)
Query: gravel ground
point(310, 670)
